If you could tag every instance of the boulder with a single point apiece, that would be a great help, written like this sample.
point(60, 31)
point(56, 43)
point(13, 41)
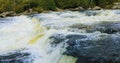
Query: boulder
point(96, 49)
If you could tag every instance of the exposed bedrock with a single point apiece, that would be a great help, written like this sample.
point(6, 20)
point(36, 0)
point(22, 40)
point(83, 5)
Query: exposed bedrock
point(98, 49)
point(91, 47)
point(16, 57)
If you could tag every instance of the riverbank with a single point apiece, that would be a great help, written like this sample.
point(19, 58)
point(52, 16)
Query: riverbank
point(28, 7)
point(30, 11)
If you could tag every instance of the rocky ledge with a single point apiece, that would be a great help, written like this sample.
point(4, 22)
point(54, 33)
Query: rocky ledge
point(101, 44)
point(98, 49)
point(16, 57)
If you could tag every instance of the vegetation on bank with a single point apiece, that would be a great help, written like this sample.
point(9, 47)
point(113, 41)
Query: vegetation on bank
point(41, 5)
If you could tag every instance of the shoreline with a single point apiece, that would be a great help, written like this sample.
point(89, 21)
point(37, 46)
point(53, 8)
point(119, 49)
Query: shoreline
point(28, 7)
point(30, 11)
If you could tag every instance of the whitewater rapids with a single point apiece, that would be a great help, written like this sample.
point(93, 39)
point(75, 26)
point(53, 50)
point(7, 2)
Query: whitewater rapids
point(32, 34)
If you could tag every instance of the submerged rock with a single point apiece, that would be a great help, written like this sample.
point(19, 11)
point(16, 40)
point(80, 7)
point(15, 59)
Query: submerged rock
point(16, 57)
point(98, 49)
point(91, 13)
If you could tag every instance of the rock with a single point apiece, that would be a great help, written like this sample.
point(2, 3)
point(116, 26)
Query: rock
point(12, 13)
point(116, 6)
point(89, 13)
point(76, 9)
point(57, 38)
point(96, 8)
point(109, 28)
point(79, 26)
point(16, 57)
point(71, 38)
point(28, 12)
point(75, 36)
point(89, 8)
point(104, 27)
point(9, 13)
point(58, 9)
point(100, 49)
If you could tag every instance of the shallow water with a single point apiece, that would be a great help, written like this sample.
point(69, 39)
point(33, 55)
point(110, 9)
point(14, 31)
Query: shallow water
point(43, 35)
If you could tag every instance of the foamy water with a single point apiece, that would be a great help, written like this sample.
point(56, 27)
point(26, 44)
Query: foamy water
point(32, 34)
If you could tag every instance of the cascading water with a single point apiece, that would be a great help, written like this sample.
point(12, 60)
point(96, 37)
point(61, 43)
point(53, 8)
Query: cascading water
point(61, 37)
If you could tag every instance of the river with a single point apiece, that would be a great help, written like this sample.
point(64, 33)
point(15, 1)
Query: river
point(59, 37)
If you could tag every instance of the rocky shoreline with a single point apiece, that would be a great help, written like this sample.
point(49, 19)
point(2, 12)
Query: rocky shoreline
point(13, 13)
point(116, 6)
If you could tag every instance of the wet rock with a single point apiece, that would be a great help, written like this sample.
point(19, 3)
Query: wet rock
point(71, 38)
point(75, 36)
point(57, 38)
point(109, 28)
point(106, 49)
point(77, 9)
point(90, 13)
point(9, 13)
point(79, 26)
point(105, 27)
point(28, 12)
point(16, 57)
point(97, 8)
point(116, 6)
